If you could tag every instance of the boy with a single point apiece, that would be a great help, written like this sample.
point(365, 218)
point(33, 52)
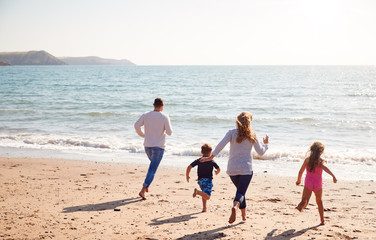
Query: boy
point(205, 175)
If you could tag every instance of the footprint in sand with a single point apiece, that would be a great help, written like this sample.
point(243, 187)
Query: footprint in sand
point(329, 210)
point(367, 209)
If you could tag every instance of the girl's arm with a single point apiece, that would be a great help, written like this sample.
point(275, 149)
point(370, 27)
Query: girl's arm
point(301, 171)
point(327, 170)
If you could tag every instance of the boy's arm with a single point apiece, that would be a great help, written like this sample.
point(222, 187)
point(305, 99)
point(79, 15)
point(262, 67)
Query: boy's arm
point(326, 169)
point(301, 171)
point(187, 172)
point(218, 170)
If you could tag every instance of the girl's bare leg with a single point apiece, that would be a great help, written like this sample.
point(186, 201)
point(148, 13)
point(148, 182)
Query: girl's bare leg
point(320, 206)
point(233, 212)
point(305, 199)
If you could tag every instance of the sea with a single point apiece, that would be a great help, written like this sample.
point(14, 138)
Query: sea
point(88, 112)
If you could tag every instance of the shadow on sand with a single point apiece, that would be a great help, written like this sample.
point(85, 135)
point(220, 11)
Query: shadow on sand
point(182, 218)
point(210, 234)
point(101, 206)
point(289, 234)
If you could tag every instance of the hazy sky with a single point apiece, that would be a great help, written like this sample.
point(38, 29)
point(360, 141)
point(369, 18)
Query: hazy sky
point(195, 32)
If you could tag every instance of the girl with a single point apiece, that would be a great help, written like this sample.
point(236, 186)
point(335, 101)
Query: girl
point(239, 166)
point(314, 165)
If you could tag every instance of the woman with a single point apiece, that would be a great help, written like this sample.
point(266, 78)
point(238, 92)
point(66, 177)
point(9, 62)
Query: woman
point(239, 166)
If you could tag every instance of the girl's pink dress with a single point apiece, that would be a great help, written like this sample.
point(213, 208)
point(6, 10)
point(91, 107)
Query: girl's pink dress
point(313, 180)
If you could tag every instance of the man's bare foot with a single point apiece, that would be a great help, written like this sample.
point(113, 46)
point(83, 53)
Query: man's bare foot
point(195, 193)
point(233, 215)
point(204, 210)
point(142, 195)
point(322, 223)
point(146, 189)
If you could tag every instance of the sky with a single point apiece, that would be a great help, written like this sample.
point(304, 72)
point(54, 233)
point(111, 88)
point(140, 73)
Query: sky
point(195, 32)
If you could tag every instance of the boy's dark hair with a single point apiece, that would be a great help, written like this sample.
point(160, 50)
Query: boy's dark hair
point(158, 102)
point(206, 149)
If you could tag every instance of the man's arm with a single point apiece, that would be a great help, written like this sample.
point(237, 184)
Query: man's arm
point(168, 127)
point(137, 126)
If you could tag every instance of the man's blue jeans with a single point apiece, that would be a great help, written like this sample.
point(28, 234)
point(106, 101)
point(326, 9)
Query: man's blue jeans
point(155, 155)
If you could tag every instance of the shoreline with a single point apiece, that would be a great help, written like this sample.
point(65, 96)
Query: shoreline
point(72, 199)
point(344, 172)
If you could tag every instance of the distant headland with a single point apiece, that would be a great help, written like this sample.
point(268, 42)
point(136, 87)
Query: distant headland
point(44, 58)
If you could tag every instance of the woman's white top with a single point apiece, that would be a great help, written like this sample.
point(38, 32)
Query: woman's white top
point(240, 159)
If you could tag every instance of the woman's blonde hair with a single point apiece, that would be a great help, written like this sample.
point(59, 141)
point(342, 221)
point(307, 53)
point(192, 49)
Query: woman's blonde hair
point(243, 124)
point(314, 159)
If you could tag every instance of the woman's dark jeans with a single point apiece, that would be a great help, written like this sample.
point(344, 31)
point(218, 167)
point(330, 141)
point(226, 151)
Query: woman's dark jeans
point(241, 182)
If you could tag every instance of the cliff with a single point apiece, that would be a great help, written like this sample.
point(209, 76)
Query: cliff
point(44, 58)
point(30, 58)
point(95, 61)
point(4, 64)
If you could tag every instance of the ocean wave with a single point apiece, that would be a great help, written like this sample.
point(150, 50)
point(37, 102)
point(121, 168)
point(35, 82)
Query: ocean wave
point(55, 142)
point(201, 119)
point(360, 94)
point(119, 144)
point(300, 119)
point(13, 111)
point(102, 114)
point(293, 156)
point(71, 142)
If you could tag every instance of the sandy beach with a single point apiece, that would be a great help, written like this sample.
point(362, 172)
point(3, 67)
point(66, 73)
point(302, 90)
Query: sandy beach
point(64, 199)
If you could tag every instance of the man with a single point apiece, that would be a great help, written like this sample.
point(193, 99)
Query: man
point(156, 126)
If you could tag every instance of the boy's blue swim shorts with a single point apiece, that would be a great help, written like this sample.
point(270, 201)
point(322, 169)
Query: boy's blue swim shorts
point(206, 185)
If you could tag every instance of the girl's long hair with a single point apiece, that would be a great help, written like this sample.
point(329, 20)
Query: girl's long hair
point(316, 149)
point(243, 124)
